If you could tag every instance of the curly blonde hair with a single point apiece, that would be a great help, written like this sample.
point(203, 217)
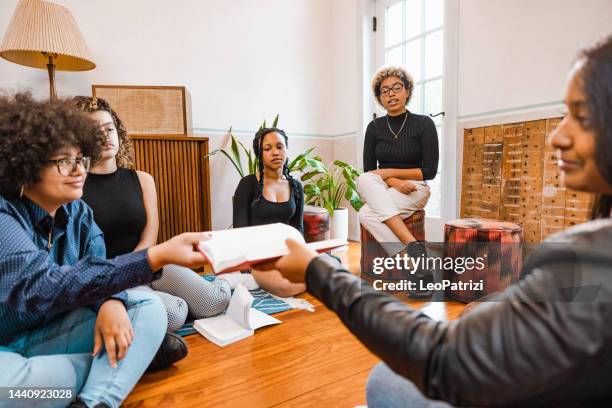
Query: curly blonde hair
point(125, 155)
point(392, 71)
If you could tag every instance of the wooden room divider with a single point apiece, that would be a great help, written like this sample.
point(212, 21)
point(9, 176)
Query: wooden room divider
point(180, 169)
point(510, 173)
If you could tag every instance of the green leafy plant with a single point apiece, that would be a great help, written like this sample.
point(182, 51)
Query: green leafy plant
point(329, 187)
point(301, 162)
point(305, 162)
point(324, 186)
point(234, 154)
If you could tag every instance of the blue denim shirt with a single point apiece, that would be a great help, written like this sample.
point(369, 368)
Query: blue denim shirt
point(52, 265)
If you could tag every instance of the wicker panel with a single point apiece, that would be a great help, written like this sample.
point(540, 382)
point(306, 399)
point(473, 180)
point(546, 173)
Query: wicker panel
point(181, 175)
point(491, 171)
point(159, 110)
point(473, 153)
point(509, 173)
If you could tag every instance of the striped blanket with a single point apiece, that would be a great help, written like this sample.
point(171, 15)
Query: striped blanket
point(262, 301)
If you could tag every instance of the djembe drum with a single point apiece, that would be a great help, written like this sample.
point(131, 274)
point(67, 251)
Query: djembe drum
point(498, 243)
point(316, 223)
point(370, 248)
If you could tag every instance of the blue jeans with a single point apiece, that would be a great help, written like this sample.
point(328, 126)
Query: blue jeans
point(58, 354)
point(386, 389)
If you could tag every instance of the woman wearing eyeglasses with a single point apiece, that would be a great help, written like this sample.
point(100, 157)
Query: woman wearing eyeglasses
point(400, 154)
point(65, 321)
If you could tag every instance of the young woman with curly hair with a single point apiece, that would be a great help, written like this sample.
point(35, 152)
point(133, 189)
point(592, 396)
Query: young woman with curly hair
point(124, 203)
point(65, 321)
point(400, 154)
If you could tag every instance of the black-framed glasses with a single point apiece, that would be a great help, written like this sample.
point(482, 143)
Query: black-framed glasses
point(67, 166)
point(395, 88)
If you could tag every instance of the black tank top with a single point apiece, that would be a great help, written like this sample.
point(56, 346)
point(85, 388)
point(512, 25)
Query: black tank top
point(118, 207)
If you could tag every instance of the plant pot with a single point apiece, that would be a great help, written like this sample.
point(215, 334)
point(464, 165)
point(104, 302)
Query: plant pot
point(338, 224)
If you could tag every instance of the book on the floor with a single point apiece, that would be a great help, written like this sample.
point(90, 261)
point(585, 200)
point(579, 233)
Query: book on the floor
point(240, 248)
point(239, 321)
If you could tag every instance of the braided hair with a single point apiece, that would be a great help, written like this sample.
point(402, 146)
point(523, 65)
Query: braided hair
point(258, 149)
point(125, 154)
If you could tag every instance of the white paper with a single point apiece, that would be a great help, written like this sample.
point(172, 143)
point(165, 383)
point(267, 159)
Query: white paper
point(239, 321)
point(259, 319)
point(240, 306)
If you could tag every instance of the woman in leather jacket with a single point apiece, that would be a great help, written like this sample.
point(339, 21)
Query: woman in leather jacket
point(547, 341)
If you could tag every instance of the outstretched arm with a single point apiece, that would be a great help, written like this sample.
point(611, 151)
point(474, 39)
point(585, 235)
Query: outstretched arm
point(524, 349)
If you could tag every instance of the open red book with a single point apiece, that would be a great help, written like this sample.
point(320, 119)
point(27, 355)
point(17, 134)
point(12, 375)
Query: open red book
point(240, 248)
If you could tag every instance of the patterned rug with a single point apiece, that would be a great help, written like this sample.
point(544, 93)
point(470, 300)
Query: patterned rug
point(262, 301)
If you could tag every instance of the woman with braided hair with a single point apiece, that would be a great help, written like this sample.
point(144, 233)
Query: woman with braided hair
point(270, 196)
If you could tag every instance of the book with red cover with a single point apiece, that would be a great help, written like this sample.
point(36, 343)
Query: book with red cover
point(240, 248)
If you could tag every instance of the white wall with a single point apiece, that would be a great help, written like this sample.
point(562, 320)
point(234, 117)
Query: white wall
point(513, 59)
point(517, 53)
point(242, 61)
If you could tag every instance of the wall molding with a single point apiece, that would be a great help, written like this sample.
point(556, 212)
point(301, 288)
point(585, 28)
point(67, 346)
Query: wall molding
point(509, 112)
point(297, 135)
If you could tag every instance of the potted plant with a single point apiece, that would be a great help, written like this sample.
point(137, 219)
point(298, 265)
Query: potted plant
point(329, 187)
point(234, 155)
point(301, 162)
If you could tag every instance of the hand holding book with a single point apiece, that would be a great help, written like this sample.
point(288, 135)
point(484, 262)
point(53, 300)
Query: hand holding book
point(180, 250)
point(293, 265)
point(255, 247)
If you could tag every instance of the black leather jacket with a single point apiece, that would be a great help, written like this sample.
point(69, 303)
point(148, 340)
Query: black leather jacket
point(547, 342)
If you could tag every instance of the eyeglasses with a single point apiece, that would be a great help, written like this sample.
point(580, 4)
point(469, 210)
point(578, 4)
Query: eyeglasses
point(395, 88)
point(67, 166)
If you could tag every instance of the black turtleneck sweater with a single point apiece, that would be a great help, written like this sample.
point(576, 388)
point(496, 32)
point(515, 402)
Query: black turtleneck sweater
point(416, 146)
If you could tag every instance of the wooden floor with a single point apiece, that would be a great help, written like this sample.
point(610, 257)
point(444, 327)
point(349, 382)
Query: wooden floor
point(310, 360)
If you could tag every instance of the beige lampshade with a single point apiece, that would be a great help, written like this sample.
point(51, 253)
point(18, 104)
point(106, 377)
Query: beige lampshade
point(41, 26)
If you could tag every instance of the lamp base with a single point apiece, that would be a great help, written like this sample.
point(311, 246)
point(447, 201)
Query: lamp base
point(51, 70)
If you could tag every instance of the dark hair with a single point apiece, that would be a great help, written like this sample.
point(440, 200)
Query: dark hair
point(597, 83)
point(32, 131)
point(258, 149)
point(125, 155)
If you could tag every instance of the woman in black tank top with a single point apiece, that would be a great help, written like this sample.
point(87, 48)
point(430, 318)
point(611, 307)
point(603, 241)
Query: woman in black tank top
point(270, 196)
point(124, 188)
point(124, 202)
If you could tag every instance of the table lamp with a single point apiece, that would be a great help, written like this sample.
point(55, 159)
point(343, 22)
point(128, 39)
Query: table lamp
point(43, 35)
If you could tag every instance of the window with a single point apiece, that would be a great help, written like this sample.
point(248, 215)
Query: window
point(413, 32)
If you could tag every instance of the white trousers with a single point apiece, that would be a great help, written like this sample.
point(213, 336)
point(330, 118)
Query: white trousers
point(383, 202)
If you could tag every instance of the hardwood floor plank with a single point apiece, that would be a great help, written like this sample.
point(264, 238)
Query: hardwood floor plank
point(348, 392)
point(309, 360)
